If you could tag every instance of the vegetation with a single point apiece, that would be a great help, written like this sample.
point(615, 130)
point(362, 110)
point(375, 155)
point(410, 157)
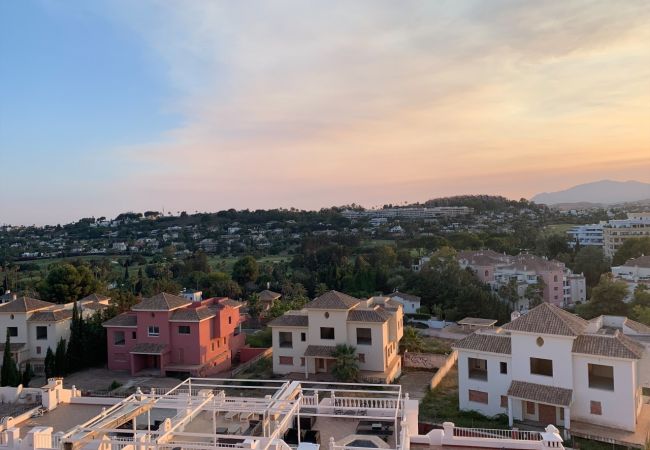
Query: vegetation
point(631, 248)
point(9, 374)
point(606, 298)
point(411, 340)
point(346, 366)
point(260, 339)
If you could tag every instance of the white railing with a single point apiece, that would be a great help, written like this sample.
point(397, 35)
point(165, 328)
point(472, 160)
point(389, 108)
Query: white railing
point(490, 433)
point(370, 403)
point(185, 445)
point(309, 400)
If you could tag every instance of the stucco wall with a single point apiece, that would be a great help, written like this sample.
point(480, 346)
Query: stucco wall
point(496, 385)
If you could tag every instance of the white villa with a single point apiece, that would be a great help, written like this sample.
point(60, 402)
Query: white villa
point(410, 303)
point(550, 366)
point(34, 325)
point(303, 340)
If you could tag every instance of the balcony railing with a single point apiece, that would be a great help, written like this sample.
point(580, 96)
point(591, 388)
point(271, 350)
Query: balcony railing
point(488, 433)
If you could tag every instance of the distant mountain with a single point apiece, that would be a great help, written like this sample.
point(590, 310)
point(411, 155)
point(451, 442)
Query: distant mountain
point(603, 192)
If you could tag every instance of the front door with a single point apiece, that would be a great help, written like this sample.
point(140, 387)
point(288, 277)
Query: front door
point(320, 365)
point(547, 414)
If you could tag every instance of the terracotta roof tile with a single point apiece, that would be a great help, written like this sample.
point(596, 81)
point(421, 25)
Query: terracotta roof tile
point(192, 314)
point(548, 319)
point(148, 348)
point(485, 342)
point(637, 326)
point(290, 320)
point(333, 300)
point(161, 302)
point(269, 296)
point(95, 298)
point(123, 320)
point(540, 393)
point(405, 296)
point(319, 350)
point(24, 304)
point(368, 315)
point(55, 315)
point(615, 346)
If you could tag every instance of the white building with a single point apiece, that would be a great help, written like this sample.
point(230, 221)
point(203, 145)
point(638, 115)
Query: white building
point(586, 235)
point(410, 303)
point(616, 232)
point(634, 272)
point(303, 341)
point(34, 326)
point(550, 366)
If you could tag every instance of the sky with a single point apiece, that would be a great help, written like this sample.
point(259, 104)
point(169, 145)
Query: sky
point(118, 105)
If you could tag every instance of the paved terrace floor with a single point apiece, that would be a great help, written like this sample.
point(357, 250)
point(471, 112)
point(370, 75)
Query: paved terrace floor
point(614, 435)
point(62, 418)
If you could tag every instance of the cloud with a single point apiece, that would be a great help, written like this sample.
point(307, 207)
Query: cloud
point(317, 103)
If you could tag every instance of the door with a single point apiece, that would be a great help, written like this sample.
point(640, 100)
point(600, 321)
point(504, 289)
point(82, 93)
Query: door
point(320, 365)
point(547, 414)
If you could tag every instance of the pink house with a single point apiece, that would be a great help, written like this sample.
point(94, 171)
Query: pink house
point(168, 334)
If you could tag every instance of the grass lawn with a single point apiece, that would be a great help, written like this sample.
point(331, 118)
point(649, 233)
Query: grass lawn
point(441, 405)
point(560, 228)
point(226, 264)
point(436, 345)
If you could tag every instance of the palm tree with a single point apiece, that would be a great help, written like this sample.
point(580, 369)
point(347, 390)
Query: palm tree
point(411, 340)
point(346, 367)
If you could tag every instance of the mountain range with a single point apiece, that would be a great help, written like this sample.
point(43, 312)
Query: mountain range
point(604, 192)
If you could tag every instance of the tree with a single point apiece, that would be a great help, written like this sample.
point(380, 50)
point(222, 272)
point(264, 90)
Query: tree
point(607, 298)
point(246, 270)
point(49, 363)
point(9, 375)
point(509, 292)
point(346, 366)
point(535, 293)
point(219, 284)
point(75, 350)
point(66, 283)
point(641, 314)
point(60, 363)
point(591, 262)
point(254, 306)
point(411, 340)
point(631, 248)
point(28, 374)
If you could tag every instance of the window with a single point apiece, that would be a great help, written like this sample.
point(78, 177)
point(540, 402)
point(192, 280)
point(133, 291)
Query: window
point(13, 331)
point(38, 350)
point(118, 338)
point(183, 329)
point(154, 330)
point(362, 357)
point(212, 346)
point(12, 317)
point(503, 367)
point(302, 362)
point(229, 320)
point(286, 339)
point(601, 377)
point(303, 337)
point(540, 341)
point(539, 366)
point(41, 333)
point(562, 414)
point(596, 408)
point(504, 401)
point(134, 335)
point(286, 360)
point(327, 333)
point(327, 315)
point(530, 408)
point(364, 336)
point(478, 396)
point(477, 368)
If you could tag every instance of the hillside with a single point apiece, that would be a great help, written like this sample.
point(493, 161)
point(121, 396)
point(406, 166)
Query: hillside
point(600, 192)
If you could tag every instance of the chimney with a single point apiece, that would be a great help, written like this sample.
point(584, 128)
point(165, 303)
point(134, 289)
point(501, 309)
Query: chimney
point(514, 315)
point(268, 285)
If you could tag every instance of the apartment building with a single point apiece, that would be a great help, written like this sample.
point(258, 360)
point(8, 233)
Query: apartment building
point(410, 213)
point(36, 325)
point(634, 272)
point(561, 286)
point(303, 341)
point(586, 235)
point(550, 366)
point(169, 334)
point(616, 232)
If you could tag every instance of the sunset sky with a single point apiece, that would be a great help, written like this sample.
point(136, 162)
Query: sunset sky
point(108, 106)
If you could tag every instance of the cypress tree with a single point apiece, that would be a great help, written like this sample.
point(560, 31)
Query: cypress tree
point(49, 364)
point(60, 363)
point(76, 348)
point(9, 375)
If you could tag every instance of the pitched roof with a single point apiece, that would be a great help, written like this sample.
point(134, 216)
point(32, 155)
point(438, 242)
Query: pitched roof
point(51, 315)
point(269, 296)
point(540, 393)
point(14, 346)
point(94, 305)
point(637, 326)
point(319, 350)
point(192, 314)
point(161, 302)
point(24, 304)
point(333, 300)
point(485, 342)
point(148, 348)
point(95, 298)
point(548, 319)
point(290, 320)
point(123, 320)
point(477, 321)
point(232, 303)
point(368, 315)
point(616, 346)
point(403, 295)
point(641, 261)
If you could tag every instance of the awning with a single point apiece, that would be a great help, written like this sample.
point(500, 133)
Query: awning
point(540, 393)
point(321, 351)
point(145, 348)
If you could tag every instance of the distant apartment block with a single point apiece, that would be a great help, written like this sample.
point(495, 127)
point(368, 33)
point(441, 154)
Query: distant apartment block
point(550, 366)
point(170, 334)
point(409, 213)
point(586, 235)
point(36, 325)
point(634, 272)
point(410, 303)
point(303, 341)
point(616, 232)
point(561, 287)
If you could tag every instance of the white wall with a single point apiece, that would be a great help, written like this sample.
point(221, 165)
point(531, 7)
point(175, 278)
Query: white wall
point(556, 348)
point(618, 406)
point(19, 321)
point(374, 354)
point(337, 319)
point(297, 351)
point(497, 384)
point(55, 331)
